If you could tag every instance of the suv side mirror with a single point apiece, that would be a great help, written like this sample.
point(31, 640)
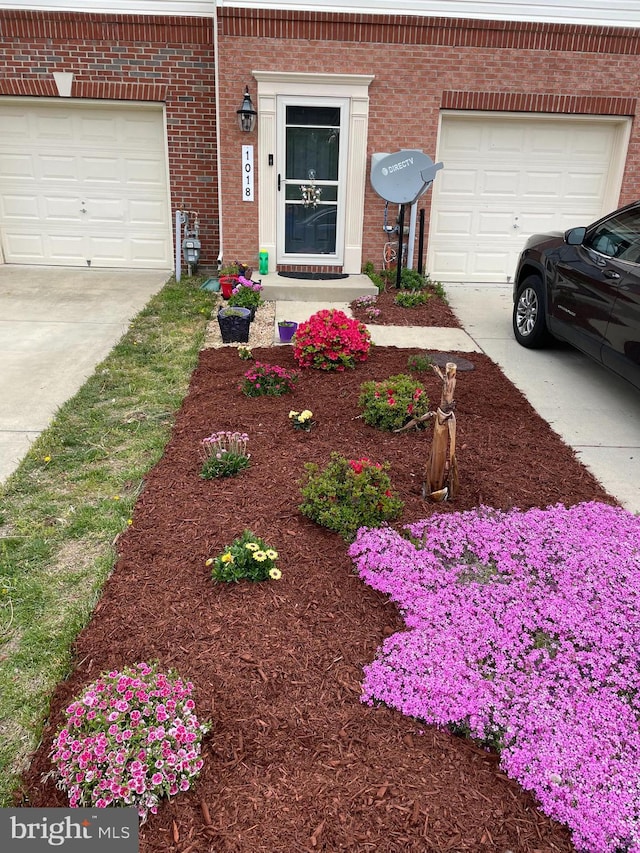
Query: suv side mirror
point(575, 236)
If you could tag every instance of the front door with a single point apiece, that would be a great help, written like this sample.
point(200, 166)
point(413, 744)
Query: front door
point(311, 164)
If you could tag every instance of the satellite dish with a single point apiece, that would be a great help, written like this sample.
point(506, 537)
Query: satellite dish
point(401, 178)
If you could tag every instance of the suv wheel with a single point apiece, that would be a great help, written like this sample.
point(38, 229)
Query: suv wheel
point(529, 324)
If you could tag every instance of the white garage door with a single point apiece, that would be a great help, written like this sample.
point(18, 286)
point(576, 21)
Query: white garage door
point(507, 177)
point(84, 184)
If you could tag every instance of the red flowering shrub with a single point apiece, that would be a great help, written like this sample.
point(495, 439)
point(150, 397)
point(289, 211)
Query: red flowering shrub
point(393, 403)
point(349, 494)
point(330, 340)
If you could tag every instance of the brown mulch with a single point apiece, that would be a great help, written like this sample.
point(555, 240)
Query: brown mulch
point(294, 762)
point(435, 312)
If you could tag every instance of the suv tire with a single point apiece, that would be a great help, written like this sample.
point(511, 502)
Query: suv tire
point(529, 323)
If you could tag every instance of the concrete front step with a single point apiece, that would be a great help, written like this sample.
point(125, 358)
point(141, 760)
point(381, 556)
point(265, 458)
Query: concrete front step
point(279, 288)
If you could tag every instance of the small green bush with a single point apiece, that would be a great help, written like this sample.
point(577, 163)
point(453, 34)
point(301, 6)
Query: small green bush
point(391, 404)
point(349, 494)
point(412, 298)
point(420, 362)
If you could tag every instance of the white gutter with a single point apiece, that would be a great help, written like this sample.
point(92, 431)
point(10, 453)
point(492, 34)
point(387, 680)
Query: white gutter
point(216, 59)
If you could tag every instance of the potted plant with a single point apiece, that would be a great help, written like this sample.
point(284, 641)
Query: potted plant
point(286, 330)
point(234, 324)
point(228, 278)
point(246, 294)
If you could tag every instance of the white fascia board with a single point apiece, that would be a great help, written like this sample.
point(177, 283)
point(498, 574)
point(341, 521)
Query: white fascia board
point(169, 8)
point(610, 13)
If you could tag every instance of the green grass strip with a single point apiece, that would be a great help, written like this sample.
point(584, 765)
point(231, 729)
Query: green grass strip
point(63, 508)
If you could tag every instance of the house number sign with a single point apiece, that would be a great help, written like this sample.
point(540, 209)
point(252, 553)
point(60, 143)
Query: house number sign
point(247, 173)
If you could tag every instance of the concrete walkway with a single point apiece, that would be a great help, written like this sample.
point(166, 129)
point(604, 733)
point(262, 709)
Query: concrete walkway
point(56, 325)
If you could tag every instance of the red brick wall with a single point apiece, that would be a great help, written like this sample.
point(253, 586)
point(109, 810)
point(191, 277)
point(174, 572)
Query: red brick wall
point(168, 60)
point(422, 66)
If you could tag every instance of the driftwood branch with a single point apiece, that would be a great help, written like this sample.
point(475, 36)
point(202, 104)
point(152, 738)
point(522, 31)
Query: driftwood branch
point(441, 472)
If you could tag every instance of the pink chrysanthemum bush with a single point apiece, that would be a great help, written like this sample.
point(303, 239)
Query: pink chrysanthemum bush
point(330, 340)
point(131, 738)
point(524, 634)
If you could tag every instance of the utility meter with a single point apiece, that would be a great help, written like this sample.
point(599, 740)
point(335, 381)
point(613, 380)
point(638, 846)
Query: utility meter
point(191, 251)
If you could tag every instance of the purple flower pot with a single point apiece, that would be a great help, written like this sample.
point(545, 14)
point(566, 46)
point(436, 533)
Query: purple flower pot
point(286, 330)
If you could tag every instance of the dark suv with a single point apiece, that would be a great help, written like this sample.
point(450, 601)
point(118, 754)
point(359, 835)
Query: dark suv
point(583, 287)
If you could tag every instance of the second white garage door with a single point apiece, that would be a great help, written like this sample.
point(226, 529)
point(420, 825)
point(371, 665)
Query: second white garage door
point(84, 184)
point(506, 177)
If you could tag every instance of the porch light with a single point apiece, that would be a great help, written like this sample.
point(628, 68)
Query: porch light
point(246, 114)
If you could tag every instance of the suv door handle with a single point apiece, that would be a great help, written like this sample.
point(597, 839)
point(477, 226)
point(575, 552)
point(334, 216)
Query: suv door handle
point(611, 274)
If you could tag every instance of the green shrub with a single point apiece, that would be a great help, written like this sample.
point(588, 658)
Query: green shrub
point(419, 362)
point(349, 494)
point(412, 298)
point(376, 278)
point(393, 403)
point(247, 558)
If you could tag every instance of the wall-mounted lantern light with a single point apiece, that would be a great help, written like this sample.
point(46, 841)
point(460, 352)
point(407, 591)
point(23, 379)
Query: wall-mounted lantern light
point(246, 114)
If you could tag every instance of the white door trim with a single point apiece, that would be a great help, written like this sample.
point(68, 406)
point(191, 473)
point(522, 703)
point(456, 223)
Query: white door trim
point(302, 86)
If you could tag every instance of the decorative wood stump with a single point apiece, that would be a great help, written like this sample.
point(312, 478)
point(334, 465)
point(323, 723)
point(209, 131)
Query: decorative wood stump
point(441, 471)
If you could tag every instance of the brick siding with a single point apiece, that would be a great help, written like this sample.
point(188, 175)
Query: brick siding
point(130, 58)
point(421, 67)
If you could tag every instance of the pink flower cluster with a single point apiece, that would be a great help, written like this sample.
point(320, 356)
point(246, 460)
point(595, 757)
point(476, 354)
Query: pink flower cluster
point(330, 340)
point(131, 738)
point(268, 380)
point(256, 286)
point(524, 631)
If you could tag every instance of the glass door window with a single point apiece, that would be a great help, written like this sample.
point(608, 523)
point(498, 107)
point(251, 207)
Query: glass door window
point(310, 186)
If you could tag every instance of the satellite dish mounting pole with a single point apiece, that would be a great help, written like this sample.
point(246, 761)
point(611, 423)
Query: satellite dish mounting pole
point(400, 247)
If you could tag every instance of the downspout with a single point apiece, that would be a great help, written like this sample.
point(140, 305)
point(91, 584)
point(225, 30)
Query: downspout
point(216, 58)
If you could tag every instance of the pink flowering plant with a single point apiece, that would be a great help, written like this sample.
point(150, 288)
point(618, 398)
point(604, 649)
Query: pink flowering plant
point(131, 738)
point(224, 454)
point(246, 294)
point(393, 403)
point(349, 493)
point(268, 380)
point(523, 633)
point(329, 340)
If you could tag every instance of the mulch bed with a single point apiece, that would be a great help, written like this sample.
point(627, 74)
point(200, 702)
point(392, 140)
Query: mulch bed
point(435, 312)
point(294, 762)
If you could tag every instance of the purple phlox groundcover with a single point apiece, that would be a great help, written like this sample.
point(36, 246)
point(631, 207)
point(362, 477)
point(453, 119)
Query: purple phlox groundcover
point(523, 632)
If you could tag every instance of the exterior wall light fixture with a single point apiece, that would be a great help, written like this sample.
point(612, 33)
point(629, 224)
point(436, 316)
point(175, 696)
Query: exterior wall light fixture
point(246, 114)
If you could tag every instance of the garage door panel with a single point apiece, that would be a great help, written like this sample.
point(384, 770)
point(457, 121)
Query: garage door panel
point(583, 186)
point(458, 182)
point(500, 184)
point(529, 174)
point(62, 208)
point(542, 185)
point(144, 212)
point(16, 167)
point(19, 207)
point(97, 177)
point(494, 223)
point(57, 168)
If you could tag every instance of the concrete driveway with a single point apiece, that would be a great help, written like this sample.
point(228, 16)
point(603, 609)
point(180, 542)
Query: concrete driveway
point(56, 325)
point(595, 412)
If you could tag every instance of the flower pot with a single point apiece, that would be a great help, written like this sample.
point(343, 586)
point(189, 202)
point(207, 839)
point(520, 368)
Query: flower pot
point(286, 330)
point(227, 283)
point(234, 325)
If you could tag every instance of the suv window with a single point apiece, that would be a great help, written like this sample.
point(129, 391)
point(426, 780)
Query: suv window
point(618, 237)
